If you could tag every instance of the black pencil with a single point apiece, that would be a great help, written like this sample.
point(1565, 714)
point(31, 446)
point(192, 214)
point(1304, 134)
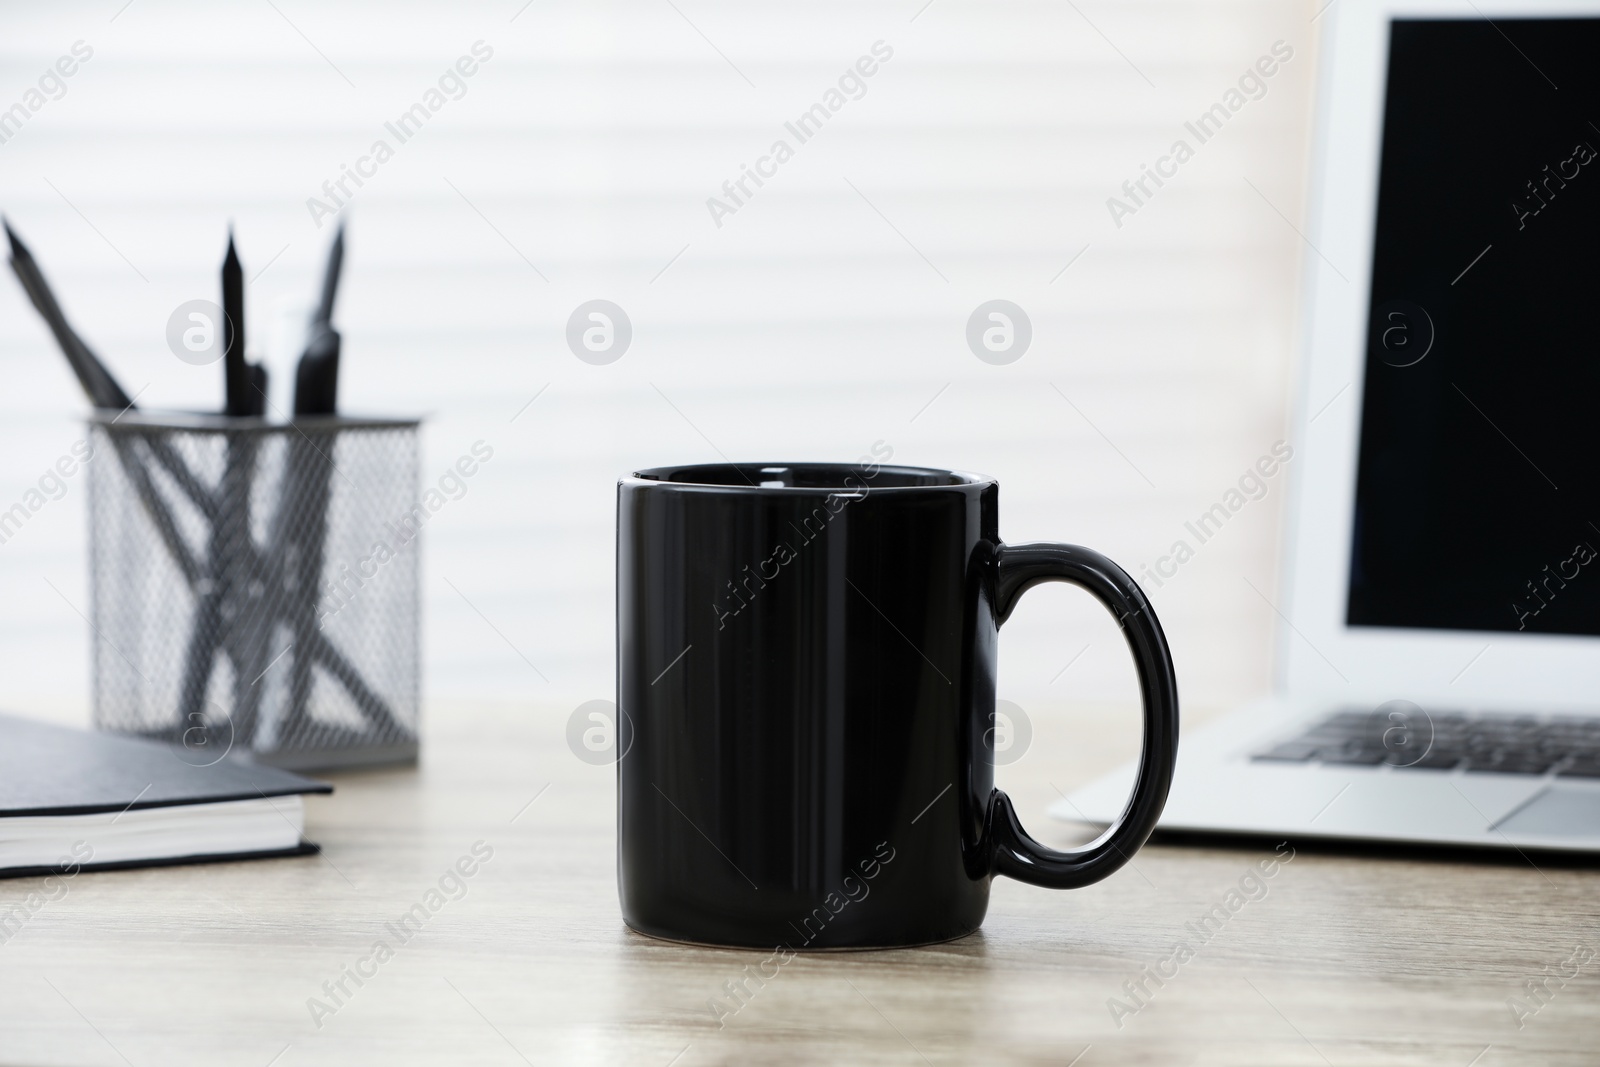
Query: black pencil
point(96, 381)
point(330, 280)
point(238, 400)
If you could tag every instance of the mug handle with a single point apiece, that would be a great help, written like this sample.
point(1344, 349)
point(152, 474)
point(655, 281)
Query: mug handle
point(1014, 853)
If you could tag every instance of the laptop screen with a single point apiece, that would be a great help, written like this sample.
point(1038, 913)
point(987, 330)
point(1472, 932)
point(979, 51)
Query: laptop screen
point(1478, 482)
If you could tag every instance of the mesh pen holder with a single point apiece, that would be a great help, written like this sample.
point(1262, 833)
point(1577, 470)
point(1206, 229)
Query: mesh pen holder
point(255, 586)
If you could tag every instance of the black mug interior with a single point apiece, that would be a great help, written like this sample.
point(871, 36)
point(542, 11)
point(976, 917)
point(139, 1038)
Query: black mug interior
point(842, 477)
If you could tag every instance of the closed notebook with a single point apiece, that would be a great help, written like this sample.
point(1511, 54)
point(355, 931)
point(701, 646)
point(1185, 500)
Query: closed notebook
point(70, 799)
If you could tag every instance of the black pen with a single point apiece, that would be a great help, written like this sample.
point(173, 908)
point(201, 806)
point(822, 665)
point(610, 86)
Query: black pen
point(316, 382)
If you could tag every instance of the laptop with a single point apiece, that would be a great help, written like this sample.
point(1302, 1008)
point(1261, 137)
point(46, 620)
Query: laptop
point(1437, 655)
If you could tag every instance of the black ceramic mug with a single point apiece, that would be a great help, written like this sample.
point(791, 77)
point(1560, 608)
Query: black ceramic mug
point(806, 681)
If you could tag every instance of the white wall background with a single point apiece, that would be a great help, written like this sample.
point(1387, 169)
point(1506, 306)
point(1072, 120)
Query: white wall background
point(818, 319)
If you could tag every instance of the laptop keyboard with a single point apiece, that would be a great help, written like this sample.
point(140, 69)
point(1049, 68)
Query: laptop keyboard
point(1504, 744)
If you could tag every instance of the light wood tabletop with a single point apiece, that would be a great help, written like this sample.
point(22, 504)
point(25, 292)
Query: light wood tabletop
point(1329, 959)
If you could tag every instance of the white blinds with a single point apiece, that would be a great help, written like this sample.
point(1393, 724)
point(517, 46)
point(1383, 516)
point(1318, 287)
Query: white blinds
point(826, 312)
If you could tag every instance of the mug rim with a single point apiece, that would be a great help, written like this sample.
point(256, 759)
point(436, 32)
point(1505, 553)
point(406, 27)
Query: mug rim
point(680, 477)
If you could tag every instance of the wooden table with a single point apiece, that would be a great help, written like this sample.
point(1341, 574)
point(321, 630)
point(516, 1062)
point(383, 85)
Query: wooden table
point(1344, 960)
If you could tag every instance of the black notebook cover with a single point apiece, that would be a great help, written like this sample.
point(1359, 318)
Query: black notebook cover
point(54, 770)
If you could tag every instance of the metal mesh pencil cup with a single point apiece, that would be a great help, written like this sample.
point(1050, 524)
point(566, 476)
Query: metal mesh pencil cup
point(255, 586)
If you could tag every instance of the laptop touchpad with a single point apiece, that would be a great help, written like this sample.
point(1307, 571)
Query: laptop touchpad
point(1559, 811)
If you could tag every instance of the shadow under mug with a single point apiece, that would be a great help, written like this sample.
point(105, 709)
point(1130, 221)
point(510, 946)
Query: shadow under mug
point(806, 686)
